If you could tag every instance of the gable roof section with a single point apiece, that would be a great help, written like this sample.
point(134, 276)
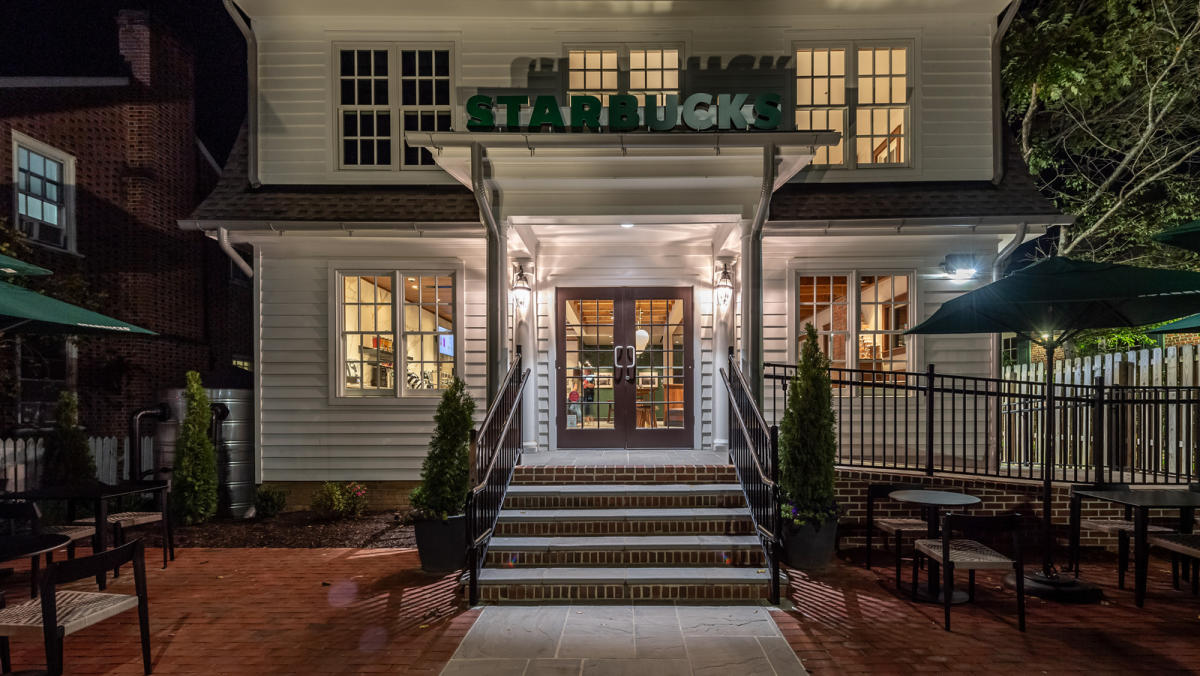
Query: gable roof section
point(234, 200)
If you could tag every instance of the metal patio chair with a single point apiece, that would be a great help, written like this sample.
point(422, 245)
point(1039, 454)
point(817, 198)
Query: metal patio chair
point(23, 510)
point(1183, 547)
point(1122, 528)
point(896, 527)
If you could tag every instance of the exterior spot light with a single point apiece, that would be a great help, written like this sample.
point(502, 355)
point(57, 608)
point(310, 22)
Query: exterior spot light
point(724, 289)
point(960, 267)
point(520, 289)
point(627, 225)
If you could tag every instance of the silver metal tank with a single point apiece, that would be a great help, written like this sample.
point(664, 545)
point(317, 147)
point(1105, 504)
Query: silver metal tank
point(235, 452)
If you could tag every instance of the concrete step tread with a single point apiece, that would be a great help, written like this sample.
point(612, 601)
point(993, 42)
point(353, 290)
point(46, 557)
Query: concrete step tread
point(622, 514)
point(680, 575)
point(624, 542)
point(522, 490)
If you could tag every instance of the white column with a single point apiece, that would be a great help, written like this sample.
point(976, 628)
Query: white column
point(525, 336)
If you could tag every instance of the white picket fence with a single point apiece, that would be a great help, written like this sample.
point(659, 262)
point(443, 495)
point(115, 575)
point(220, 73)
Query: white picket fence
point(21, 460)
point(1171, 366)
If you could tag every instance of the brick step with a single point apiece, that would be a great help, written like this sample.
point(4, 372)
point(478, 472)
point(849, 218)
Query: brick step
point(562, 584)
point(623, 474)
point(580, 496)
point(636, 550)
point(658, 521)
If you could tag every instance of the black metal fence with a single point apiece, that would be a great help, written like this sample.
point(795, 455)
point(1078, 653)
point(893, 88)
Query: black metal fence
point(934, 422)
point(754, 451)
point(495, 450)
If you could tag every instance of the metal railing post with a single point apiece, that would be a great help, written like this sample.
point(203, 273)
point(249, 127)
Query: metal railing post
point(1098, 432)
point(929, 377)
point(775, 517)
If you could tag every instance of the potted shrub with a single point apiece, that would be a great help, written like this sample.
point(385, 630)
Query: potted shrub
point(445, 480)
point(807, 452)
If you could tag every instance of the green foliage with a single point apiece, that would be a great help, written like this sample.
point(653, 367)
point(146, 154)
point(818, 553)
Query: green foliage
point(807, 441)
point(194, 488)
point(1106, 102)
point(445, 475)
point(1103, 341)
point(269, 501)
point(339, 501)
point(68, 462)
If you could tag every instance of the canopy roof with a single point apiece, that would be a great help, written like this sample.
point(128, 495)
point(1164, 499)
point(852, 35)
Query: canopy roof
point(25, 311)
point(1186, 236)
point(1185, 325)
point(1060, 294)
point(11, 266)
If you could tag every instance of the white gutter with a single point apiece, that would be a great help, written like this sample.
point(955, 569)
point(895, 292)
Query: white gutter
point(251, 91)
point(1001, 258)
point(349, 228)
point(998, 130)
point(752, 281)
point(949, 225)
point(223, 241)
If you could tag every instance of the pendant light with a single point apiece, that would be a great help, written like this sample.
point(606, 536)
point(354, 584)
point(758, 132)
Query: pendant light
point(724, 287)
point(520, 289)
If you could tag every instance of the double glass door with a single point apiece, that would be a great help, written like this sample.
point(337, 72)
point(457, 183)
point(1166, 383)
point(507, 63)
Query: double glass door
point(624, 368)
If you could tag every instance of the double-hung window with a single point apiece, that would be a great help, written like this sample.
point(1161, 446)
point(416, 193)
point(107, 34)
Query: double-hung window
point(397, 332)
point(863, 91)
point(860, 318)
point(604, 71)
point(44, 178)
point(385, 91)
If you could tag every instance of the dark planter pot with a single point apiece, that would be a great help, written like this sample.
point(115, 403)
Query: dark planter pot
point(809, 547)
point(442, 545)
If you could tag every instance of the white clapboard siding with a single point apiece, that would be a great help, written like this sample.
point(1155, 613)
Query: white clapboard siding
point(950, 88)
point(302, 436)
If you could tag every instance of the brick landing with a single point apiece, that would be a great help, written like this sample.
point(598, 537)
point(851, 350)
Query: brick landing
point(273, 611)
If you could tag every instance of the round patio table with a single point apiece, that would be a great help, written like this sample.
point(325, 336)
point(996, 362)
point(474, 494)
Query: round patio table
point(932, 503)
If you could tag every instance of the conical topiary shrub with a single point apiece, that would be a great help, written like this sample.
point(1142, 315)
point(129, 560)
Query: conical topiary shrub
point(807, 453)
point(445, 476)
point(194, 484)
point(68, 461)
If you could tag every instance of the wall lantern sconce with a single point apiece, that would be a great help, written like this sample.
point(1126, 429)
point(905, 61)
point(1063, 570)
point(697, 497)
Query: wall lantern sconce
point(960, 267)
point(521, 290)
point(724, 288)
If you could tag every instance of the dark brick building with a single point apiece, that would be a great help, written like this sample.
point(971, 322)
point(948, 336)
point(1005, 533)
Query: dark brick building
point(100, 156)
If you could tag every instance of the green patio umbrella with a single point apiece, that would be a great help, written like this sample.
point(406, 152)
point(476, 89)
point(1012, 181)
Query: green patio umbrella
point(1048, 303)
point(1185, 325)
point(11, 267)
point(1186, 236)
point(25, 311)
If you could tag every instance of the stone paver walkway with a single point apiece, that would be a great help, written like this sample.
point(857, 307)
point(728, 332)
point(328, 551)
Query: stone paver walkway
point(624, 640)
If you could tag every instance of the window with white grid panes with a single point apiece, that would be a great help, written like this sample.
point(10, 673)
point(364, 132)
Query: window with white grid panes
point(364, 108)
point(824, 302)
point(821, 97)
point(880, 124)
point(429, 336)
point(41, 198)
point(368, 335)
point(425, 100)
point(654, 71)
point(592, 72)
point(883, 317)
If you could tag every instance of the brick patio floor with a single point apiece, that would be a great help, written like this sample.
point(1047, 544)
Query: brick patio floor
point(300, 611)
point(850, 620)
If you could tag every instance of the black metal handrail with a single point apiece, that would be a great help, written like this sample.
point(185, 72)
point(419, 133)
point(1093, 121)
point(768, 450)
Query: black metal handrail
point(936, 422)
point(754, 451)
point(495, 451)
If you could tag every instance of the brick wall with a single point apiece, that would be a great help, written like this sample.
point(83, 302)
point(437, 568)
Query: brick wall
point(136, 175)
point(997, 496)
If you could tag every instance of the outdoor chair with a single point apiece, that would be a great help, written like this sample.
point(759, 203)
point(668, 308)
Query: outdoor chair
point(1122, 528)
point(891, 526)
point(1183, 547)
point(21, 510)
point(60, 612)
point(969, 554)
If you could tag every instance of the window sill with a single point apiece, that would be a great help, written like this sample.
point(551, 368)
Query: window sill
point(408, 401)
point(54, 249)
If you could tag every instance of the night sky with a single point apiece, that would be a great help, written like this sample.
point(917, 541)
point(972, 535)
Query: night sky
point(78, 38)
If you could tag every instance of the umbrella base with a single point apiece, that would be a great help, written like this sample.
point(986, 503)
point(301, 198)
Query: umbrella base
point(1059, 588)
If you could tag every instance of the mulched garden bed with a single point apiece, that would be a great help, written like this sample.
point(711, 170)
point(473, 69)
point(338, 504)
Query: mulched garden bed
point(299, 529)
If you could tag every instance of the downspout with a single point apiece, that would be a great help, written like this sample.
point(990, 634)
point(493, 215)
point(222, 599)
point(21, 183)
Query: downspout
point(998, 130)
point(223, 241)
point(752, 282)
point(997, 269)
point(251, 91)
point(497, 277)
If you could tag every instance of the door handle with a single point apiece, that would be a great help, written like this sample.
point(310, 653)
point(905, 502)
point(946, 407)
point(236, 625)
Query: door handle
point(617, 361)
point(630, 366)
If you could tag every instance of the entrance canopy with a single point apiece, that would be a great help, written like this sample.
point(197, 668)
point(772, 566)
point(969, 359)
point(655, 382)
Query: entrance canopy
point(623, 177)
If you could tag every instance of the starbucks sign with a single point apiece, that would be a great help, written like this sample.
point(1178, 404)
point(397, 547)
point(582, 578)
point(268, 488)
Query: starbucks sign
point(698, 112)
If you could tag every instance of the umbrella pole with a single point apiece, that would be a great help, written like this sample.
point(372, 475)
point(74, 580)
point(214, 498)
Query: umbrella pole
point(1048, 466)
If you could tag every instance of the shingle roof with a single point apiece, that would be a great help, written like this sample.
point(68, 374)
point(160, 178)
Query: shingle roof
point(234, 199)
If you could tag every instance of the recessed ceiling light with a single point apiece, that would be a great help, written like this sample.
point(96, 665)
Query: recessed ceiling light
point(627, 225)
